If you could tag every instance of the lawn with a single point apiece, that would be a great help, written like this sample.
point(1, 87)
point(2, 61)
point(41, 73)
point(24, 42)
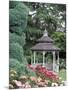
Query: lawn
point(62, 74)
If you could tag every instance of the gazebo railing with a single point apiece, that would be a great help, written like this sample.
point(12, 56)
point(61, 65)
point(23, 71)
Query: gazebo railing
point(48, 66)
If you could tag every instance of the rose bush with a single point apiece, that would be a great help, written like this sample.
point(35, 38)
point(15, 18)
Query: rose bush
point(46, 74)
point(43, 78)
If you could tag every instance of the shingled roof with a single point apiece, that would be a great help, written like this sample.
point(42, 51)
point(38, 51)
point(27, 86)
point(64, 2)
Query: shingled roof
point(45, 39)
point(45, 47)
point(45, 43)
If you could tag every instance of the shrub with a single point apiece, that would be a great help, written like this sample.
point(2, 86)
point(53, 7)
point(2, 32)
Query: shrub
point(16, 51)
point(62, 63)
point(14, 64)
point(30, 72)
point(18, 18)
point(45, 74)
point(28, 59)
point(14, 38)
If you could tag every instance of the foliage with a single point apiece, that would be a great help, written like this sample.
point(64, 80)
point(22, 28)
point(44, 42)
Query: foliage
point(13, 4)
point(44, 73)
point(14, 38)
point(18, 18)
point(20, 68)
point(47, 16)
point(16, 51)
point(60, 40)
point(62, 74)
point(23, 27)
point(62, 64)
point(33, 33)
point(28, 59)
point(30, 72)
point(39, 80)
point(18, 13)
point(12, 73)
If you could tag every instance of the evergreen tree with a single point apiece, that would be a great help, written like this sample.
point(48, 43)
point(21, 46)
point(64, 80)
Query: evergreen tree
point(18, 13)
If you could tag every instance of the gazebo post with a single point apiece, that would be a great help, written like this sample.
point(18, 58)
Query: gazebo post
point(53, 60)
point(31, 58)
point(43, 58)
point(34, 56)
point(58, 61)
point(37, 59)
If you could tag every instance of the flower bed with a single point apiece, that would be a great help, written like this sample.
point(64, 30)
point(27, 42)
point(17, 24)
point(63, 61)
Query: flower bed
point(43, 78)
point(46, 74)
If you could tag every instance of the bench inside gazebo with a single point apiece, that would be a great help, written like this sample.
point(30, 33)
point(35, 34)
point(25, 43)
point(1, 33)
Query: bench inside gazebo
point(45, 45)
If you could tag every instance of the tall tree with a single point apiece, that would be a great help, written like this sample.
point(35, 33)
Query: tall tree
point(18, 13)
point(44, 16)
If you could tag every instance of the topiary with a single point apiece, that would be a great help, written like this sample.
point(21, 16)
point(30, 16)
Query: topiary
point(18, 18)
point(14, 38)
point(16, 52)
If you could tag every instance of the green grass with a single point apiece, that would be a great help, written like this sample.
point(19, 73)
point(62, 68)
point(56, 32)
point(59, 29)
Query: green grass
point(62, 74)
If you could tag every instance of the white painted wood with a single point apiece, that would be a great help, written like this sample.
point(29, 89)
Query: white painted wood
point(43, 58)
point(34, 56)
point(57, 61)
point(53, 60)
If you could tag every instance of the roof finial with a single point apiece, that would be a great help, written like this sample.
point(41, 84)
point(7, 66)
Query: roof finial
point(45, 33)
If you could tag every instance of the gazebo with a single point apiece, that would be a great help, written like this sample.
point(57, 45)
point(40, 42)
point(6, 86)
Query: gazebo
point(44, 45)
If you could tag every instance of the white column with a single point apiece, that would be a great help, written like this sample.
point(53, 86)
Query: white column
point(43, 58)
point(57, 61)
point(31, 58)
point(53, 60)
point(34, 56)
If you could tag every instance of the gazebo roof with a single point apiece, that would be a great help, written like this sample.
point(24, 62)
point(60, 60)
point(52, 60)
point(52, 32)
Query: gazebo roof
point(45, 47)
point(45, 43)
point(45, 39)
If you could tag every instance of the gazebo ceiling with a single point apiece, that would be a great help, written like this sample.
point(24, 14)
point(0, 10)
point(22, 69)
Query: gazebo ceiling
point(45, 47)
